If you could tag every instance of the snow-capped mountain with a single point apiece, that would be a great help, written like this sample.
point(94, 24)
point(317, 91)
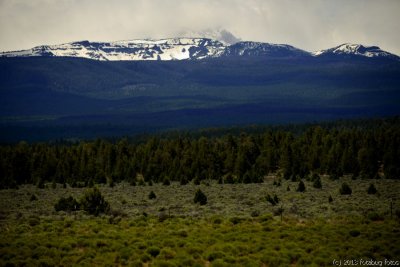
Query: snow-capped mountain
point(164, 49)
point(220, 43)
point(263, 49)
point(356, 50)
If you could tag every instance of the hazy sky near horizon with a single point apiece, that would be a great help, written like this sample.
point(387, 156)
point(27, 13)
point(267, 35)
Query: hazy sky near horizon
point(310, 24)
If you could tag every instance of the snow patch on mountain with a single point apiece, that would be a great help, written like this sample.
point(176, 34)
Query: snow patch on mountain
point(263, 49)
point(190, 48)
point(356, 50)
point(164, 49)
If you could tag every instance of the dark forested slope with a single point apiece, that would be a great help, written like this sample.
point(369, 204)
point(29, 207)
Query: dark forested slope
point(369, 152)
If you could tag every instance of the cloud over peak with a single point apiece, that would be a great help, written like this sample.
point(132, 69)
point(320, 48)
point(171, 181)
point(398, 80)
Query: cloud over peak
point(309, 24)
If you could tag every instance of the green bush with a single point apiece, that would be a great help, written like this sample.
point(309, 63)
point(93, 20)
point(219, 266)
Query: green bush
point(167, 253)
point(94, 203)
point(278, 211)
point(34, 220)
point(200, 197)
point(153, 251)
point(215, 255)
point(374, 216)
point(317, 182)
point(236, 220)
point(255, 213)
point(183, 181)
point(152, 195)
point(273, 200)
point(345, 189)
point(354, 233)
point(67, 204)
point(372, 189)
point(301, 187)
point(229, 179)
point(166, 181)
point(334, 176)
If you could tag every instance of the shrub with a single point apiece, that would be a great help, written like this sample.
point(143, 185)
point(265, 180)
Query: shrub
point(67, 204)
point(152, 195)
point(217, 221)
point(153, 251)
point(314, 177)
point(255, 213)
point(265, 217)
point(162, 216)
point(166, 181)
point(345, 189)
point(397, 213)
point(372, 189)
point(94, 203)
point(354, 233)
point(183, 181)
point(374, 216)
point(273, 201)
point(278, 211)
point(301, 187)
point(145, 258)
point(200, 197)
point(167, 253)
point(334, 176)
point(317, 182)
point(236, 220)
point(215, 255)
point(229, 179)
point(40, 184)
point(34, 220)
point(277, 183)
point(276, 199)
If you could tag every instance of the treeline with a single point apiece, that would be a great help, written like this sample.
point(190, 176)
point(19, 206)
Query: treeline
point(372, 152)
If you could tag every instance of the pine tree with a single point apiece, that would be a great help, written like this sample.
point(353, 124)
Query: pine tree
point(317, 183)
point(93, 202)
point(200, 197)
point(152, 195)
point(372, 189)
point(301, 187)
point(345, 189)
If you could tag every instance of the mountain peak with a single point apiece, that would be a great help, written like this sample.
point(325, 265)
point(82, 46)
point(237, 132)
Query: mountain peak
point(221, 35)
point(350, 49)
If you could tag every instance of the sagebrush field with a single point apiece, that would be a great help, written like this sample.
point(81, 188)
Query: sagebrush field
point(237, 226)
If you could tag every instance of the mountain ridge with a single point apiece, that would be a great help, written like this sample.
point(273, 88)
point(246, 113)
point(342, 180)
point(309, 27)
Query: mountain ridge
point(190, 48)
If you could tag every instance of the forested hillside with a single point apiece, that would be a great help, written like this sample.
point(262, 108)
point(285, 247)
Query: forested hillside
point(366, 152)
point(52, 98)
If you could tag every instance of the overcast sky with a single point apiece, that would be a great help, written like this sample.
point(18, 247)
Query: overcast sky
point(309, 24)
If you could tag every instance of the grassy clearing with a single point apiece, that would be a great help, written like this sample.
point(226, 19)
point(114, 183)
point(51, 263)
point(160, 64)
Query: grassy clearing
point(237, 227)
